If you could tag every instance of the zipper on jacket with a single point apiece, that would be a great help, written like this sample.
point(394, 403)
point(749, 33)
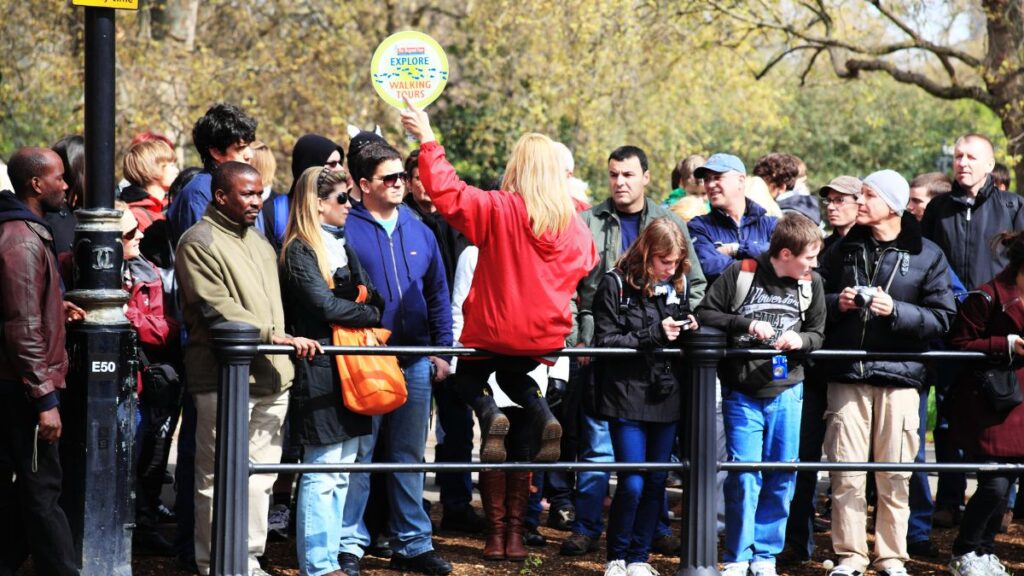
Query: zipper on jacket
point(394, 265)
point(874, 276)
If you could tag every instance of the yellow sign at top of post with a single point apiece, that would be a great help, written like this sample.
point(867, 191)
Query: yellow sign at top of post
point(117, 4)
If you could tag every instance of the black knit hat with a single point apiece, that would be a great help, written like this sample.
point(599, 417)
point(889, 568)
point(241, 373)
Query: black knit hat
point(359, 142)
point(311, 150)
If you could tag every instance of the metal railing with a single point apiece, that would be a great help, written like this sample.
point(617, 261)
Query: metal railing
point(236, 345)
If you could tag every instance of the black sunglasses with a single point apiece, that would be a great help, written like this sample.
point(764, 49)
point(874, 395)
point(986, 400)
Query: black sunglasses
point(130, 235)
point(392, 179)
point(332, 164)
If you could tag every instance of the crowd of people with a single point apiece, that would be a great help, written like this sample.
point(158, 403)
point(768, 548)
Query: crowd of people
point(368, 238)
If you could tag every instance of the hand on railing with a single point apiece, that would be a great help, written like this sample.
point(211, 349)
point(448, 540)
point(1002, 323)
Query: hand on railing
point(304, 347)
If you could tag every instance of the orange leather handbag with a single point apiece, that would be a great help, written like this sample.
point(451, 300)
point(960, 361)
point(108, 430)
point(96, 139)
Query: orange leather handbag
point(370, 385)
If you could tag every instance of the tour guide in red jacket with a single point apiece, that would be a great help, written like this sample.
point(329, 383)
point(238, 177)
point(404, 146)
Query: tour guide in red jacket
point(533, 252)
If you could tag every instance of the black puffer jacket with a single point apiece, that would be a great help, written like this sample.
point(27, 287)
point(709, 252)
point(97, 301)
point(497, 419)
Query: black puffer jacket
point(923, 304)
point(643, 389)
point(318, 413)
point(964, 231)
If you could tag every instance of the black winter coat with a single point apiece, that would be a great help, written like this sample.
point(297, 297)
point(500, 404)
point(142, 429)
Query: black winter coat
point(318, 413)
point(643, 389)
point(964, 231)
point(923, 305)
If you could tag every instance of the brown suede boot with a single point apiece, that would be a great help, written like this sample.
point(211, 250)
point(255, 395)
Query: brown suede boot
point(492, 492)
point(517, 494)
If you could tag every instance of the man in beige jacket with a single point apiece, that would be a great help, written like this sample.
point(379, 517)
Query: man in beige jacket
point(228, 272)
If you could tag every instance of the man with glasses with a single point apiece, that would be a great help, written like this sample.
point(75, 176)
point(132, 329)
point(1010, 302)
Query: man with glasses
point(402, 258)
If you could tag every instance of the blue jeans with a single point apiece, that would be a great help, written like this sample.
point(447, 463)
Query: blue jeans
point(919, 528)
point(756, 504)
point(592, 487)
point(639, 497)
point(409, 524)
point(455, 444)
point(321, 506)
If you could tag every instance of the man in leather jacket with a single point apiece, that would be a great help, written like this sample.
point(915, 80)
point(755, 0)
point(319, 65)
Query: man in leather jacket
point(33, 364)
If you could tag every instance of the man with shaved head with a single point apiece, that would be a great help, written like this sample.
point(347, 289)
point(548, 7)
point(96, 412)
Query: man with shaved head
point(964, 221)
point(228, 273)
point(33, 364)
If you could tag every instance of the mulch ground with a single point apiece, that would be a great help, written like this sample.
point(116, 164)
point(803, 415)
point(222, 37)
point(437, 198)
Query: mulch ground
point(463, 552)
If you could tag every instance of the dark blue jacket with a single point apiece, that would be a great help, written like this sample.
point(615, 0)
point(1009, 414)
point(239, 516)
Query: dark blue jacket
point(753, 235)
point(408, 271)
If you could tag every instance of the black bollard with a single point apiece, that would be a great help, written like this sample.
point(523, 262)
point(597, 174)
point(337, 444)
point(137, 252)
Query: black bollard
point(702, 351)
point(234, 345)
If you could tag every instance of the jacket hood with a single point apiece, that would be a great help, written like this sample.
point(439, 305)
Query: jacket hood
point(909, 239)
point(404, 215)
point(133, 193)
point(11, 208)
point(311, 150)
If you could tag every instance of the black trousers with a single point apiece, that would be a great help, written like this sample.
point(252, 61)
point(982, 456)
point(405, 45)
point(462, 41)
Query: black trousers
point(33, 522)
point(983, 514)
point(512, 374)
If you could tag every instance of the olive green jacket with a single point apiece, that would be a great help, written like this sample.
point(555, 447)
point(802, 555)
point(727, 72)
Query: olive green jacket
point(603, 221)
point(228, 272)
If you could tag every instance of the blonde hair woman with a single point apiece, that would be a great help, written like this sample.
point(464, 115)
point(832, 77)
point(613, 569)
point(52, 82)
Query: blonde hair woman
point(533, 253)
point(321, 277)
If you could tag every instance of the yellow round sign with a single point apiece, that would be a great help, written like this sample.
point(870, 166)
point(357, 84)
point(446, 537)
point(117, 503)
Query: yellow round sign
point(409, 64)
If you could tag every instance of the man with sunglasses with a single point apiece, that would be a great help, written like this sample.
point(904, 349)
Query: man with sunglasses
point(403, 260)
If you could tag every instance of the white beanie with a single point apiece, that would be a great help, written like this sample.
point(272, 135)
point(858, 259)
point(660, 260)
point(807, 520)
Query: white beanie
point(891, 187)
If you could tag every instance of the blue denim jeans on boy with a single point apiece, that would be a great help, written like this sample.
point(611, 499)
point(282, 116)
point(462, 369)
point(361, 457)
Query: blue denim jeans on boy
point(639, 497)
point(321, 507)
point(756, 504)
point(409, 524)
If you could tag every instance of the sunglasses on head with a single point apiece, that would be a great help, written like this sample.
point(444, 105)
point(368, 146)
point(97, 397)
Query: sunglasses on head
point(392, 179)
point(131, 234)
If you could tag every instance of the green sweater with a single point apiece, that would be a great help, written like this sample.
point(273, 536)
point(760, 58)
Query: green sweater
point(228, 272)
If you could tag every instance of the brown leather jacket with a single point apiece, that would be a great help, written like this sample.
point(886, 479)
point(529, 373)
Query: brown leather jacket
point(31, 312)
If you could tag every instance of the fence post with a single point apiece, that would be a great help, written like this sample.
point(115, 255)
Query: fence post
point(234, 345)
point(699, 443)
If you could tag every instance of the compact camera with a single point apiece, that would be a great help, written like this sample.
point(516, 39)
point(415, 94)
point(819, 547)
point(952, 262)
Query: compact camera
point(864, 296)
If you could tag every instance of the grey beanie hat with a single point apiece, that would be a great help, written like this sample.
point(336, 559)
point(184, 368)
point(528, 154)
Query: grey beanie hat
point(891, 187)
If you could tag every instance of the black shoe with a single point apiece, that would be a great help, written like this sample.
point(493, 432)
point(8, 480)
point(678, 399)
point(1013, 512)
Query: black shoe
point(792, 555)
point(546, 445)
point(349, 563)
point(667, 545)
point(188, 564)
point(578, 545)
point(166, 515)
point(494, 426)
point(923, 549)
point(381, 548)
point(427, 563)
point(148, 542)
point(463, 520)
point(562, 518)
point(531, 537)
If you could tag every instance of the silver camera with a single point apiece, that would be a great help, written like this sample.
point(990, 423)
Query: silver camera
point(864, 296)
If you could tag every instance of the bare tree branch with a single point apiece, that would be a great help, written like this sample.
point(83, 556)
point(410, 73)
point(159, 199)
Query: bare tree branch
point(949, 92)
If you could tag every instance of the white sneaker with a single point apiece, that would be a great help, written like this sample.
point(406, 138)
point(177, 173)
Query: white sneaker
point(641, 569)
point(971, 564)
point(844, 570)
point(894, 571)
point(763, 568)
point(995, 566)
point(734, 569)
point(615, 568)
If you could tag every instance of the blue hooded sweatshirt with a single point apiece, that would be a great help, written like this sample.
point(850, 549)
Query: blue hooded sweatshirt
point(408, 271)
point(753, 236)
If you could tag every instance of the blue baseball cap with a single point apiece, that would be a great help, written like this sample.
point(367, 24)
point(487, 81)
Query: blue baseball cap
point(720, 163)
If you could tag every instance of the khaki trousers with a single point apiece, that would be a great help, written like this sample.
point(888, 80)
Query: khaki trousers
point(266, 417)
point(877, 423)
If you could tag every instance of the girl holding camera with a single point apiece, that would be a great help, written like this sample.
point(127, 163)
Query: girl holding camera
point(642, 303)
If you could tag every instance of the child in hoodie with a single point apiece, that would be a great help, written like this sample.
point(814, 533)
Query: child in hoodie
point(774, 302)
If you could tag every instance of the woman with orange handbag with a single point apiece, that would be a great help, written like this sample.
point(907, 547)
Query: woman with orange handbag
point(322, 279)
